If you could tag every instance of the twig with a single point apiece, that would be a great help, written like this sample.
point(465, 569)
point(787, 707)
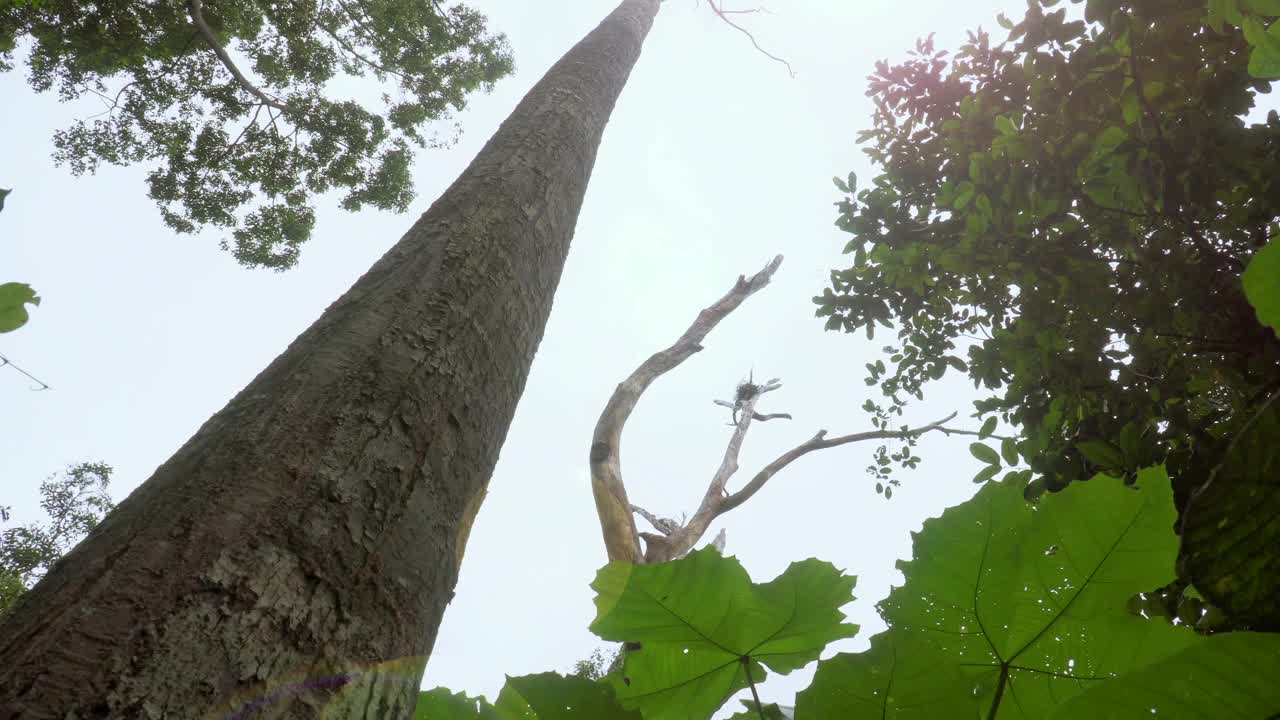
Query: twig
point(6, 361)
point(724, 15)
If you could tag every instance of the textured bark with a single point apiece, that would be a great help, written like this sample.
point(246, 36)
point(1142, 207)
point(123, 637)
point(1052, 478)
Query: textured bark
point(294, 558)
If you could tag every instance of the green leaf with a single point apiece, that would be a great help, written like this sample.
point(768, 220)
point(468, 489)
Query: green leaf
point(987, 428)
point(869, 684)
point(1264, 57)
point(1221, 12)
point(985, 454)
point(1262, 284)
point(1228, 676)
point(1032, 599)
point(1102, 453)
point(3, 194)
point(986, 474)
point(702, 625)
point(1009, 451)
point(1229, 529)
point(14, 297)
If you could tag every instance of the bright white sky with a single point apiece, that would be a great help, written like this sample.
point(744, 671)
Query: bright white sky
point(714, 161)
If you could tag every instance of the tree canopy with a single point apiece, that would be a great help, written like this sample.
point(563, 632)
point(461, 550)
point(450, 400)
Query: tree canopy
point(1065, 216)
point(233, 105)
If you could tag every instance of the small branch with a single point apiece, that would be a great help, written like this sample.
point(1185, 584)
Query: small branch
point(974, 433)
point(617, 523)
point(43, 385)
point(724, 15)
point(820, 442)
point(196, 10)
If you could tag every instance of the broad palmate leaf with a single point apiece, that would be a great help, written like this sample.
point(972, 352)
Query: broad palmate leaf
point(702, 625)
point(1030, 600)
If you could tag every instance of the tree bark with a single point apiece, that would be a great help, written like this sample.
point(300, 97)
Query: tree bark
point(294, 558)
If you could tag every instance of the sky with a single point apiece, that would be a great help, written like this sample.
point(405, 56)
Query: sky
point(714, 161)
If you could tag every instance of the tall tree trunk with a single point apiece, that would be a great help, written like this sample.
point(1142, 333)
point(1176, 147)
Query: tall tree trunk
point(294, 558)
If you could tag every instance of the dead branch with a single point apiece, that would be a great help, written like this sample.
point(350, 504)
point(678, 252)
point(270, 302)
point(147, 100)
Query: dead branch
point(196, 9)
point(617, 523)
point(723, 14)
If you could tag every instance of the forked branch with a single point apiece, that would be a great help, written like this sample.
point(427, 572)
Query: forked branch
point(616, 520)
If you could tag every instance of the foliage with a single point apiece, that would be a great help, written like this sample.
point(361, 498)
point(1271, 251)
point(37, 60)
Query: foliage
point(75, 504)
point(1009, 610)
point(706, 631)
point(1065, 217)
point(1252, 17)
point(249, 155)
point(601, 662)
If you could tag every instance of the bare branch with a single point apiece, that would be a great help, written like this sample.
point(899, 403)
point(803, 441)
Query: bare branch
point(617, 523)
point(196, 10)
point(719, 10)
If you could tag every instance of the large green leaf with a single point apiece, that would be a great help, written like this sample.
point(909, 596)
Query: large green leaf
point(1231, 527)
point(902, 677)
point(1262, 284)
point(703, 625)
point(14, 298)
point(1230, 676)
point(1032, 600)
point(546, 696)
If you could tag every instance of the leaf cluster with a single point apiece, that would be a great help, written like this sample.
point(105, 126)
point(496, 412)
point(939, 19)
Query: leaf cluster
point(75, 503)
point(1009, 610)
point(1065, 217)
point(251, 159)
